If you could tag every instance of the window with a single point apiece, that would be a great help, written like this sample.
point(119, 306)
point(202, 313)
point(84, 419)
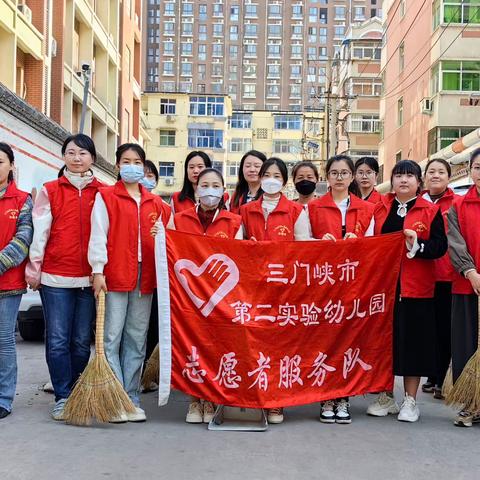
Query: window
point(297, 31)
point(398, 156)
point(217, 88)
point(205, 138)
point(312, 53)
point(402, 8)
point(401, 57)
point(322, 52)
point(233, 52)
point(439, 138)
point(187, 29)
point(202, 12)
point(340, 13)
point(186, 69)
point(322, 35)
point(168, 106)
point(217, 69)
point(295, 91)
point(202, 51)
point(202, 70)
point(232, 72)
point(168, 48)
point(297, 51)
point(249, 70)
point(167, 68)
point(249, 90)
point(287, 122)
point(359, 13)
point(233, 169)
point(251, 50)
point(234, 32)
point(370, 51)
point(295, 71)
point(240, 145)
point(363, 123)
point(273, 71)
point(324, 15)
point(312, 34)
point(218, 10)
point(250, 11)
point(275, 30)
point(274, 11)
point(312, 14)
point(457, 11)
point(400, 111)
point(297, 11)
point(339, 31)
point(286, 146)
point(169, 9)
point(166, 169)
point(167, 138)
point(460, 76)
point(218, 30)
point(365, 87)
point(217, 50)
point(211, 106)
point(232, 91)
point(187, 9)
point(273, 90)
point(241, 120)
point(168, 86)
point(234, 13)
point(274, 50)
point(169, 28)
point(251, 30)
point(202, 32)
point(187, 49)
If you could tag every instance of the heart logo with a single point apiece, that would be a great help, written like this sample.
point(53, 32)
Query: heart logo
point(221, 269)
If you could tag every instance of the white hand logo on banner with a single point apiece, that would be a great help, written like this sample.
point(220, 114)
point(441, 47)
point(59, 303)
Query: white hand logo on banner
point(221, 269)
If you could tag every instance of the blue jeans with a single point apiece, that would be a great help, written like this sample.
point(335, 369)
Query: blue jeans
point(8, 356)
point(127, 316)
point(69, 315)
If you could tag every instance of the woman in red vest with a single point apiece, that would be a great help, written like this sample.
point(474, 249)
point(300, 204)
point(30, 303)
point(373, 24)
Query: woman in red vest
point(464, 250)
point(414, 315)
point(335, 216)
point(437, 176)
point(305, 178)
point(272, 216)
point(366, 174)
point(15, 238)
point(121, 253)
point(210, 218)
point(58, 264)
point(248, 183)
point(195, 162)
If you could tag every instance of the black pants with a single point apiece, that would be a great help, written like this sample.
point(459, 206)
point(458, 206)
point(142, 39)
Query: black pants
point(152, 335)
point(464, 331)
point(443, 322)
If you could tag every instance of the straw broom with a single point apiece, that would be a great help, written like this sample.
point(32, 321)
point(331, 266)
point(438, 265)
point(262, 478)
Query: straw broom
point(448, 382)
point(465, 392)
point(98, 394)
point(152, 369)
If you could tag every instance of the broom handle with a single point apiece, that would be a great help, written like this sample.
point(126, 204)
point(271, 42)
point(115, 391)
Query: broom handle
point(99, 348)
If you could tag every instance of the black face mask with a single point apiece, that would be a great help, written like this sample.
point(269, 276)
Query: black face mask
point(305, 187)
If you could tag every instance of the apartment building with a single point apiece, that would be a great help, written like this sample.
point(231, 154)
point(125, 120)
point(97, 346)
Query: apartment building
point(431, 78)
point(178, 123)
point(264, 54)
point(359, 86)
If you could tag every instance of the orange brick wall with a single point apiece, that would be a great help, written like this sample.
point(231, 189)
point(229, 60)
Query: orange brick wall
point(56, 96)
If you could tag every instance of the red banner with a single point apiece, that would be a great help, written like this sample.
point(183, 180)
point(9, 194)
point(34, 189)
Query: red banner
point(265, 324)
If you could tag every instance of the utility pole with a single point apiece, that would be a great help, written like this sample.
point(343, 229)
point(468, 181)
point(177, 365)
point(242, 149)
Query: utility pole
point(86, 71)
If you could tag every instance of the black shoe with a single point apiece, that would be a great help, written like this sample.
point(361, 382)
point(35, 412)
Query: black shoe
point(428, 386)
point(4, 412)
point(437, 393)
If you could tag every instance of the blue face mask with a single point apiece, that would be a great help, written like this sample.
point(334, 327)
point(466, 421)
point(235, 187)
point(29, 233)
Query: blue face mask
point(132, 173)
point(148, 183)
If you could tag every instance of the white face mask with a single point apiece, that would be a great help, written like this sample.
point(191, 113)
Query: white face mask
point(271, 185)
point(209, 196)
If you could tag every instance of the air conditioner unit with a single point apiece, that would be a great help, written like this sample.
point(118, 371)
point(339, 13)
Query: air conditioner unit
point(25, 9)
point(168, 182)
point(427, 105)
point(170, 118)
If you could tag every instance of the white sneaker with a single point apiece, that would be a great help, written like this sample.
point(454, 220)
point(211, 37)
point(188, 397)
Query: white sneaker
point(383, 406)
point(208, 412)
point(122, 418)
point(342, 412)
point(327, 412)
point(275, 415)
point(138, 416)
point(48, 388)
point(409, 411)
point(195, 413)
point(59, 409)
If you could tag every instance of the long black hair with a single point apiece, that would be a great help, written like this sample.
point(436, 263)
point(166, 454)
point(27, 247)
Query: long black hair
point(187, 190)
point(151, 168)
point(353, 187)
point(129, 146)
point(221, 204)
point(266, 165)
point(409, 167)
point(369, 162)
point(7, 150)
point(241, 189)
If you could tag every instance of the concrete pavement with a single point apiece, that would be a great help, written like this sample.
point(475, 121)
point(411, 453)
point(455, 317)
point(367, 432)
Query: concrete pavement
point(34, 447)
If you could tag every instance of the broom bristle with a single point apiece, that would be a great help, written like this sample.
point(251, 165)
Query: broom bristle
point(465, 393)
point(448, 382)
point(152, 369)
point(98, 395)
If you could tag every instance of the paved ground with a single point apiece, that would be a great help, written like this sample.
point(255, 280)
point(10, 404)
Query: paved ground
point(35, 447)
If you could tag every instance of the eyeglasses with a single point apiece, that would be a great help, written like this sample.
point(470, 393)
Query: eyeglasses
point(368, 173)
point(341, 174)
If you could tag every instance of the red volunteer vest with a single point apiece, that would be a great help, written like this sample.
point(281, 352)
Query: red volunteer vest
point(224, 225)
point(279, 225)
point(468, 210)
point(66, 252)
point(325, 216)
point(10, 205)
point(417, 275)
point(181, 205)
point(121, 270)
point(444, 271)
point(374, 197)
